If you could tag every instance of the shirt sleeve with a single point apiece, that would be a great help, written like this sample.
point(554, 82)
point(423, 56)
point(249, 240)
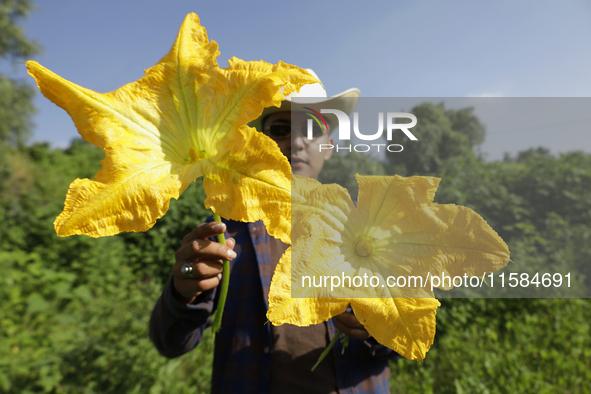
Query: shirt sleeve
point(177, 327)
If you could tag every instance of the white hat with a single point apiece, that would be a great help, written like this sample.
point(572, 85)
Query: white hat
point(345, 101)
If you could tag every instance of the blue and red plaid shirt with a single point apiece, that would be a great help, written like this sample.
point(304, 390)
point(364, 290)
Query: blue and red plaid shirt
point(243, 346)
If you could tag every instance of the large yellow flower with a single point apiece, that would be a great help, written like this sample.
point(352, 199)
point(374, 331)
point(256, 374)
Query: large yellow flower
point(184, 118)
point(396, 230)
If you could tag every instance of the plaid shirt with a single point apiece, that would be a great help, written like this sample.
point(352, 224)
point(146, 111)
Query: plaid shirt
point(243, 346)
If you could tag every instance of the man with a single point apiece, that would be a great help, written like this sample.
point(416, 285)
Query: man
point(251, 355)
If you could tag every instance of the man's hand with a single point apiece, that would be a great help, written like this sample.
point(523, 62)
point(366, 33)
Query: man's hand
point(349, 325)
point(206, 257)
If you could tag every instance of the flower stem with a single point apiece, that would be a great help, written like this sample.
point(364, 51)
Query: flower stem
point(217, 321)
point(327, 350)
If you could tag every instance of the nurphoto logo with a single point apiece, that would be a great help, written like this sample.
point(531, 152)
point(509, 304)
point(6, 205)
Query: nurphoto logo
point(344, 125)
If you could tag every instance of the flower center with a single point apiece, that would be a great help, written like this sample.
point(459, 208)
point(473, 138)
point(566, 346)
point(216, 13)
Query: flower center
point(196, 156)
point(364, 247)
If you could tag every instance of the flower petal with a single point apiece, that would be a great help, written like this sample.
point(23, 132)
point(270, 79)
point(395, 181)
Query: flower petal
point(299, 311)
point(405, 325)
point(459, 242)
point(160, 108)
point(250, 180)
point(131, 192)
point(383, 200)
point(245, 89)
point(330, 204)
point(426, 238)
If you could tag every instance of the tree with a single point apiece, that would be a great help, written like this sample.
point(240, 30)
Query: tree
point(342, 169)
point(444, 134)
point(16, 106)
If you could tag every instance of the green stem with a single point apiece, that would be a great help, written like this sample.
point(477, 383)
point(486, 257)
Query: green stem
point(217, 321)
point(327, 350)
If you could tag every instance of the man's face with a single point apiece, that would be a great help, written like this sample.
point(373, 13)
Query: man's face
point(303, 154)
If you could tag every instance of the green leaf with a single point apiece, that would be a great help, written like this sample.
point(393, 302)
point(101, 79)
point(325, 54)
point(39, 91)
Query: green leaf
point(36, 303)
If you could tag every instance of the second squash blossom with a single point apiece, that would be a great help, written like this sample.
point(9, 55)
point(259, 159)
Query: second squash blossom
point(396, 230)
point(185, 118)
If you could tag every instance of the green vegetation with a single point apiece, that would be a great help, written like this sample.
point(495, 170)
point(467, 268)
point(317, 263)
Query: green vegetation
point(75, 310)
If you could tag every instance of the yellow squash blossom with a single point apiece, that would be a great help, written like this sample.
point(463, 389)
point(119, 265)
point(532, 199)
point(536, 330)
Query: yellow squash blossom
point(185, 118)
point(396, 230)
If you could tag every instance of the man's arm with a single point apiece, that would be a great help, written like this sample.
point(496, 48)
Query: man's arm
point(182, 312)
point(177, 327)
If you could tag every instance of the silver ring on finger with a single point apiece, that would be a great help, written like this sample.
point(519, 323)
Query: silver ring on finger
point(187, 271)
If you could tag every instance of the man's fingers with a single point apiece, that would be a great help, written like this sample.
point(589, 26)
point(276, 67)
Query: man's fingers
point(357, 333)
point(348, 319)
point(210, 283)
point(201, 269)
point(204, 248)
point(204, 230)
point(349, 324)
point(190, 288)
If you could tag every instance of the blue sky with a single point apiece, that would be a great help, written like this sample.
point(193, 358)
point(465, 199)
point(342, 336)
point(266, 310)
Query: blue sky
point(384, 48)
